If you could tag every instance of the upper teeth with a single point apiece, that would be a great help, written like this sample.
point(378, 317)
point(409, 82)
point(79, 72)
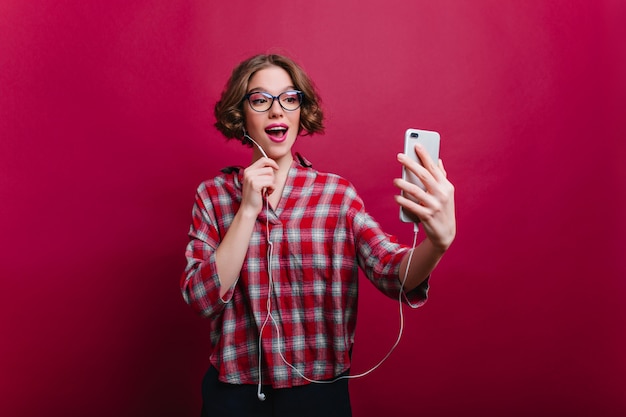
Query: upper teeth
point(276, 128)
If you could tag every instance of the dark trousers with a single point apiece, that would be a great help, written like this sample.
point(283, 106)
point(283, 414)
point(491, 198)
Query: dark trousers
point(229, 400)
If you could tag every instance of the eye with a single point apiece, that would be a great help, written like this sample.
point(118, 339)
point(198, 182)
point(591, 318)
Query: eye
point(258, 99)
point(290, 98)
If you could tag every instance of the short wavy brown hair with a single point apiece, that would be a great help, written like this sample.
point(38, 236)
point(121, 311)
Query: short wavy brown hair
point(229, 109)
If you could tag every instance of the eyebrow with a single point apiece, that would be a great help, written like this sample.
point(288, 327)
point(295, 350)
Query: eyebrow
point(264, 90)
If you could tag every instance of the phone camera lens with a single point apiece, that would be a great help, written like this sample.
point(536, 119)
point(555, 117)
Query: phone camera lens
point(414, 134)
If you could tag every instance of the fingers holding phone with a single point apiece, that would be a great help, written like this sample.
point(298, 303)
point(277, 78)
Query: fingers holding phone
point(427, 195)
point(421, 149)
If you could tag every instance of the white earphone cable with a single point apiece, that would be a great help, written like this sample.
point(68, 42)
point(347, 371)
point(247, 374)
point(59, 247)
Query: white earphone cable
point(269, 316)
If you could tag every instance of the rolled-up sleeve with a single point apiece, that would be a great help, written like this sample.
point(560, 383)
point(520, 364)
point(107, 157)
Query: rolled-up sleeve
point(200, 284)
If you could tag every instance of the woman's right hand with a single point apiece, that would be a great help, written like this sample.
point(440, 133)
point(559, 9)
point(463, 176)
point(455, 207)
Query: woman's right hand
point(230, 254)
point(258, 179)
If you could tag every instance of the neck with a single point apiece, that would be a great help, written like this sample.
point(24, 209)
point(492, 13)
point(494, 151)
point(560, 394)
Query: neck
point(284, 163)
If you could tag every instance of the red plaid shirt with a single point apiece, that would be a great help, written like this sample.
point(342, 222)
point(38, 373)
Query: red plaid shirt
point(321, 234)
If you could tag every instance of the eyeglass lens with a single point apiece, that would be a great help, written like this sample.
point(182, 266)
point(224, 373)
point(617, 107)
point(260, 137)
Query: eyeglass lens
point(261, 101)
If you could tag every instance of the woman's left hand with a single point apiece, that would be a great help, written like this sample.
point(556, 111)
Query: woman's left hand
point(435, 209)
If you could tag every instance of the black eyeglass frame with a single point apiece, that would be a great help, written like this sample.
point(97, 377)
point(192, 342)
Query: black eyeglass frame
point(267, 95)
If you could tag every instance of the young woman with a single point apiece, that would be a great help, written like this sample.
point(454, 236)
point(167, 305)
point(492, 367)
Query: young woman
point(275, 248)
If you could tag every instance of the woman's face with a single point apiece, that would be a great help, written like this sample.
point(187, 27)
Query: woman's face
point(276, 129)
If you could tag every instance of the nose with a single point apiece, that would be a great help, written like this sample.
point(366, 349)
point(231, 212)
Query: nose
point(275, 109)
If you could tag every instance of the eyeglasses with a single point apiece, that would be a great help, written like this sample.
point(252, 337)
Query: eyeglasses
point(261, 101)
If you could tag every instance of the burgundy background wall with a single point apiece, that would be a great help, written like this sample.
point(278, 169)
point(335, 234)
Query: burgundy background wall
point(106, 130)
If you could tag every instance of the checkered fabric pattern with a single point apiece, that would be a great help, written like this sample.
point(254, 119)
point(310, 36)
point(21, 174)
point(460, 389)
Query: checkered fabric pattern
point(321, 235)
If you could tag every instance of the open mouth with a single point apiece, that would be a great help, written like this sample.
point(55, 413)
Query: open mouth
point(276, 132)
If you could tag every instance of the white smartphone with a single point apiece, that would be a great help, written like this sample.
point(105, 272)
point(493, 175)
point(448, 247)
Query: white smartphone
point(430, 141)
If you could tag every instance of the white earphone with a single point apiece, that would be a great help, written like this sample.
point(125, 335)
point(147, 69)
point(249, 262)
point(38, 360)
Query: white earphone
point(245, 135)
